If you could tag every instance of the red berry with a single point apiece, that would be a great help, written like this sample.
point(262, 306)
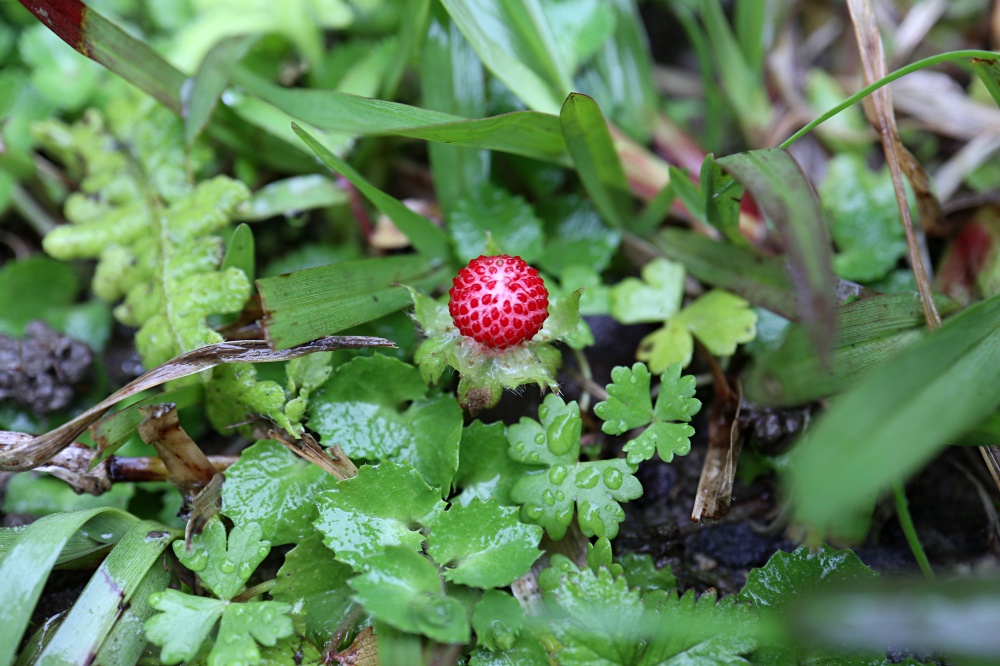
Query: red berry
point(499, 301)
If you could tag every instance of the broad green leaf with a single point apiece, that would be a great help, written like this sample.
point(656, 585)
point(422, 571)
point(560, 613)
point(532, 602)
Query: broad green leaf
point(59, 74)
point(183, 624)
point(722, 200)
point(292, 195)
point(271, 487)
point(700, 630)
point(96, 609)
point(376, 509)
point(720, 321)
point(870, 331)
point(246, 625)
point(526, 649)
point(577, 239)
point(314, 583)
point(640, 572)
point(508, 218)
point(483, 544)
point(897, 417)
point(484, 468)
point(97, 38)
point(361, 408)
point(670, 345)
point(864, 218)
point(629, 405)
point(36, 495)
point(527, 133)
point(201, 93)
point(35, 287)
point(548, 496)
point(497, 620)
point(789, 576)
point(515, 42)
point(402, 587)
point(989, 73)
point(224, 567)
point(654, 298)
point(452, 80)
point(595, 157)
point(581, 27)
point(25, 564)
point(421, 232)
point(311, 303)
point(786, 197)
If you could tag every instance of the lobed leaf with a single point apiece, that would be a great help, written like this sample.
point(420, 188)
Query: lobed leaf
point(509, 219)
point(183, 624)
point(498, 620)
point(247, 625)
point(378, 508)
point(654, 298)
point(485, 471)
point(224, 567)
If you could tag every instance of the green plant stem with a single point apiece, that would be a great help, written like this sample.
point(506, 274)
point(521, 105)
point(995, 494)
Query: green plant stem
point(906, 522)
point(255, 591)
point(887, 79)
point(32, 213)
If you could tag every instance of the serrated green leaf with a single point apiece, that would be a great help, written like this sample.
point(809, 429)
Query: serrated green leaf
point(788, 576)
point(222, 567)
point(508, 218)
point(548, 496)
point(183, 624)
point(864, 218)
point(629, 404)
point(360, 409)
point(271, 487)
point(482, 544)
point(246, 625)
point(497, 620)
point(654, 298)
point(641, 573)
point(315, 584)
point(484, 468)
point(378, 508)
point(402, 587)
point(577, 237)
point(526, 649)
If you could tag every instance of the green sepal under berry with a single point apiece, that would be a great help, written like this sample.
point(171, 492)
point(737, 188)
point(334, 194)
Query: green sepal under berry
point(548, 495)
point(630, 405)
point(486, 372)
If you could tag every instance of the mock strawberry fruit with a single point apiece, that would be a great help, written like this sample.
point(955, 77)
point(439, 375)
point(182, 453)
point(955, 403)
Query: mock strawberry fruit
point(499, 301)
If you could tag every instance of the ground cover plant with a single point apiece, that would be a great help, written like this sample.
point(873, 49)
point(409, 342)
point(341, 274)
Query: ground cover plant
point(499, 331)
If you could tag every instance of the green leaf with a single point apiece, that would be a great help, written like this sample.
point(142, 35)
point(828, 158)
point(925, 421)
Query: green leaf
point(722, 197)
point(484, 468)
point(376, 509)
point(577, 239)
point(670, 345)
point(35, 287)
point(897, 417)
point(497, 620)
point(271, 487)
point(788, 199)
point(199, 98)
point(689, 193)
point(790, 576)
point(59, 74)
point(720, 321)
point(581, 28)
point(548, 496)
point(311, 303)
point(422, 233)
point(292, 195)
point(42, 495)
point(483, 544)
point(640, 572)
point(183, 624)
point(314, 583)
point(515, 42)
point(654, 298)
point(360, 408)
point(127, 639)
point(240, 253)
point(864, 217)
point(402, 587)
point(629, 406)
point(508, 218)
point(989, 73)
point(596, 158)
point(224, 568)
point(246, 625)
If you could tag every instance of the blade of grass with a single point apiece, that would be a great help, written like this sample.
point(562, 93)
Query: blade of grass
point(240, 252)
point(110, 589)
point(308, 304)
point(201, 93)
point(452, 80)
point(26, 565)
point(912, 538)
point(413, 27)
point(596, 160)
point(989, 74)
point(127, 639)
point(722, 199)
point(292, 195)
point(101, 40)
point(423, 234)
point(784, 194)
point(896, 418)
point(515, 43)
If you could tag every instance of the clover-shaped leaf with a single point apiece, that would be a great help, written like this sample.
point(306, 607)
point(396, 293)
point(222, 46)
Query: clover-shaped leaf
point(548, 496)
point(377, 508)
point(272, 487)
point(403, 588)
point(361, 408)
point(629, 405)
point(654, 298)
point(224, 568)
point(483, 544)
point(244, 626)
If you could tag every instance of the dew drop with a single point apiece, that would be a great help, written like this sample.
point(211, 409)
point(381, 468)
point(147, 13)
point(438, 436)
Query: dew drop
point(198, 561)
point(543, 412)
point(533, 511)
point(540, 438)
point(227, 567)
point(262, 551)
point(549, 497)
point(587, 478)
point(560, 496)
point(557, 474)
point(565, 515)
point(245, 570)
point(613, 478)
